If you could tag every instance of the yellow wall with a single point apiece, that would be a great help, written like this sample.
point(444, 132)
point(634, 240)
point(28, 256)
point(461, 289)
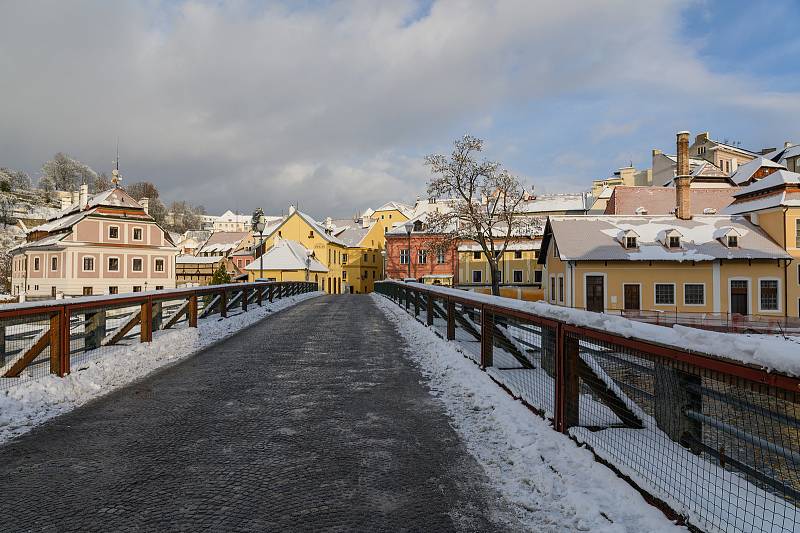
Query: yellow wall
point(508, 264)
point(782, 227)
point(362, 273)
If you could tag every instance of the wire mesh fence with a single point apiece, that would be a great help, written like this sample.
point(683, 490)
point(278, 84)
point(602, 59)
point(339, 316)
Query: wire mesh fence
point(60, 336)
point(719, 444)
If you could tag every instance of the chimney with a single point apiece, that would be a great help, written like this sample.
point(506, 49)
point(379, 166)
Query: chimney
point(787, 144)
point(292, 209)
point(66, 202)
point(75, 196)
point(365, 222)
point(683, 178)
point(83, 195)
point(656, 152)
point(145, 203)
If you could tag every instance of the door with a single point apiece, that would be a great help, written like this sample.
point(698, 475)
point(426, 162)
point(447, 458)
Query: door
point(739, 294)
point(594, 294)
point(631, 297)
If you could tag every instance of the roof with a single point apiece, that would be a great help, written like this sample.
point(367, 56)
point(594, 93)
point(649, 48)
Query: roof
point(598, 238)
point(287, 255)
point(532, 244)
point(50, 240)
point(746, 171)
point(223, 241)
point(625, 200)
point(197, 260)
point(775, 190)
point(114, 197)
point(353, 234)
point(395, 206)
point(230, 216)
point(549, 203)
point(311, 222)
point(780, 178)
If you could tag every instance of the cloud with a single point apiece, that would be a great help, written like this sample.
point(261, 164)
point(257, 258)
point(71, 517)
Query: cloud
point(334, 104)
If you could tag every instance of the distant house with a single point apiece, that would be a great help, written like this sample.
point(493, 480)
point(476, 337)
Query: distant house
point(420, 254)
point(223, 243)
point(287, 261)
point(191, 270)
point(105, 243)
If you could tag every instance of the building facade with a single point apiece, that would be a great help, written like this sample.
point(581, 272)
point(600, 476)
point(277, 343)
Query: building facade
point(105, 243)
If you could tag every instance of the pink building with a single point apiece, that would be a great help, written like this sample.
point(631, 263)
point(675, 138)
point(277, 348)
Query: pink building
point(105, 243)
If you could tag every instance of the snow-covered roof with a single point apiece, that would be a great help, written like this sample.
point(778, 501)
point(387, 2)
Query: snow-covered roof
point(746, 171)
point(351, 234)
point(527, 245)
point(780, 178)
point(553, 203)
point(626, 200)
point(50, 240)
point(197, 260)
point(59, 224)
point(395, 206)
point(287, 255)
point(594, 238)
point(230, 216)
point(223, 241)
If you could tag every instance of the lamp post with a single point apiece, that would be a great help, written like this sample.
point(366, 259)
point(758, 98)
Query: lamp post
point(259, 223)
point(383, 257)
point(409, 228)
point(309, 253)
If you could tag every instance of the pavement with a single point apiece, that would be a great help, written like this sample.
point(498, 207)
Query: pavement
point(309, 420)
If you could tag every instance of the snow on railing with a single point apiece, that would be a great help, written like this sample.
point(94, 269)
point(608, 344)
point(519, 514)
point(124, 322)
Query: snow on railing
point(50, 337)
point(706, 424)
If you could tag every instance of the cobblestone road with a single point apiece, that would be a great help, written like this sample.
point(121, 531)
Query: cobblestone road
point(309, 420)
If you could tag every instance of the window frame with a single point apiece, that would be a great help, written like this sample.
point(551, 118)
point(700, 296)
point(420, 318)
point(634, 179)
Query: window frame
point(83, 263)
point(141, 264)
point(36, 264)
point(54, 262)
point(108, 233)
point(655, 294)
point(108, 264)
point(514, 276)
point(480, 276)
point(405, 256)
point(686, 303)
point(422, 256)
point(728, 241)
point(441, 257)
point(163, 263)
point(777, 308)
point(141, 234)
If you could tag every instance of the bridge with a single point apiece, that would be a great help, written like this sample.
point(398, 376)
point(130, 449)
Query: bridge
point(315, 417)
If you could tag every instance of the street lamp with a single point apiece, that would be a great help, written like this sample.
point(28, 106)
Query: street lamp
point(383, 257)
point(409, 228)
point(309, 253)
point(259, 222)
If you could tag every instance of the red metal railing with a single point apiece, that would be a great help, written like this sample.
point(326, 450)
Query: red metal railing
point(37, 338)
point(712, 441)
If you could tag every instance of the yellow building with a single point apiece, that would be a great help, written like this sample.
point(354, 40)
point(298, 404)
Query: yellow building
point(706, 263)
point(363, 262)
point(318, 238)
point(520, 272)
point(773, 204)
point(287, 261)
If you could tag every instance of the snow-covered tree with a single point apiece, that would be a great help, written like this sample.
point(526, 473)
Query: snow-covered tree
point(64, 173)
point(185, 217)
point(483, 202)
point(11, 180)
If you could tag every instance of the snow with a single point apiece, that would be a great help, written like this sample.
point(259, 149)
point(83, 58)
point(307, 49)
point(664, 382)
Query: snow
point(770, 353)
point(32, 402)
point(552, 484)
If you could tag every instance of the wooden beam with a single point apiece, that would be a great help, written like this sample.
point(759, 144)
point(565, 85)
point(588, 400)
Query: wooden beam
point(13, 368)
point(182, 310)
point(123, 330)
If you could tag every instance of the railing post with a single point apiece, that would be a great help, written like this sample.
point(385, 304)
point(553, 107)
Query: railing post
point(567, 381)
point(451, 320)
point(407, 297)
point(271, 292)
point(146, 322)
point(487, 338)
point(416, 303)
point(95, 329)
point(675, 393)
point(65, 342)
point(223, 303)
point(56, 342)
point(192, 312)
point(158, 316)
point(429, 317)
point(259, 296)
point(244, 299)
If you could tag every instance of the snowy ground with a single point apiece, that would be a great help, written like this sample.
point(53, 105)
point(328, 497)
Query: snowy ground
point(551, 483)
point(32, 402)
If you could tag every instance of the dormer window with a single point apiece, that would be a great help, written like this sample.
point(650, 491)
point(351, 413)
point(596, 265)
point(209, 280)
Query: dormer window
point(733, 241)
point(674, 241)
point(630, 242)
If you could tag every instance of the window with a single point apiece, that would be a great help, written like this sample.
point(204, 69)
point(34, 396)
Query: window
point(674, 242)
point(137, 234)
point(537, 276)
point(476, 255)
point(36, 264)
point(694, 294)
point(344, 275)
point(373, 258)
point(768, 295)
point(630, 242)
point(311, 234)
point(159, 287)
point(88, 264)
point(113, 290)
point(159, 267)
point(373, 274)
point(552, 288)
point(665, 294)
point(477, 276)
point(87, 291)
point(365, 258)
point(53, 292)
point(404, 256)
point(113, 232)
point(366, 275)
point(440, 257)
point(518, 276)
point(517, 254)
point(54, 263)
point(422, 256)
point(344, 259)
point(797, 230)
point(560, 289)
point(733, 241)
point(113, 264)
point(137, 288)
point(137, 265)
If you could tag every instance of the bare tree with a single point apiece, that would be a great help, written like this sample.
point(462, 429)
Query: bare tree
point(483, 202)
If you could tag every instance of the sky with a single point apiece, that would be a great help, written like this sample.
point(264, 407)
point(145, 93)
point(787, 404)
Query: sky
point(333, 105)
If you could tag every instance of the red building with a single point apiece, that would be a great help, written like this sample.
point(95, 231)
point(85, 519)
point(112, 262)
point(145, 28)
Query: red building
point(416, 256)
